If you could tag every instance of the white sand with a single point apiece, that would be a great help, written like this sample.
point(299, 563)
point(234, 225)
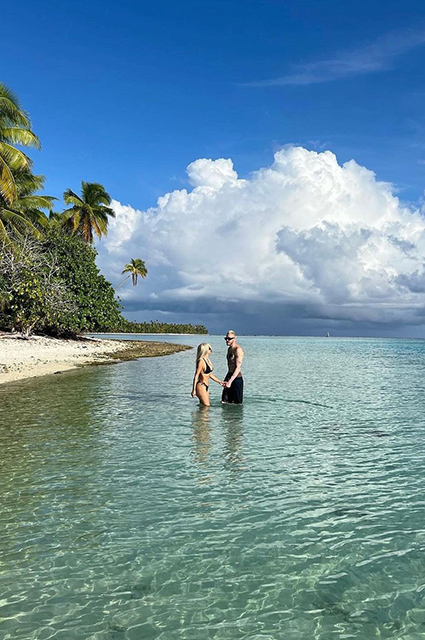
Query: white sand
point(40, 356)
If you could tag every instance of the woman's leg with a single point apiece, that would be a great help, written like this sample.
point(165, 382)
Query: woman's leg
point(203, 394)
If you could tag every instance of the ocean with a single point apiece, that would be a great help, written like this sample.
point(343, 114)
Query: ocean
point(128, 512)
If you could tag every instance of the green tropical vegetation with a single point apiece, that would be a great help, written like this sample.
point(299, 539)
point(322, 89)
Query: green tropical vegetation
point(49, 280)
point(154, 326)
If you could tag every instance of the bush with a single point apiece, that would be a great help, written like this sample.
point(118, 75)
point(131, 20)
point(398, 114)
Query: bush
point(31, 293)
point(54, 286)
point(96, 308)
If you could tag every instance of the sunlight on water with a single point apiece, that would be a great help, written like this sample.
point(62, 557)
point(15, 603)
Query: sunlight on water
point(128, 512)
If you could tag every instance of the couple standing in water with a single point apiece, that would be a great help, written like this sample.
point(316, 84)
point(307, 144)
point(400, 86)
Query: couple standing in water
point(232, 383)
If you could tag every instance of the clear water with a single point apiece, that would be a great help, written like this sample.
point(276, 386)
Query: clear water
point(129, 513)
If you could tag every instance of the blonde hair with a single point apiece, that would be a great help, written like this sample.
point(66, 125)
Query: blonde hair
point(231, 333)
point(203, 351)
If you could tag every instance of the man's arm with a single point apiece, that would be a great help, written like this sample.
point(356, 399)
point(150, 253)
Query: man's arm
point(239, 357)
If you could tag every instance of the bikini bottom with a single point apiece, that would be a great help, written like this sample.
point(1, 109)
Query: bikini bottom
point(205, 385)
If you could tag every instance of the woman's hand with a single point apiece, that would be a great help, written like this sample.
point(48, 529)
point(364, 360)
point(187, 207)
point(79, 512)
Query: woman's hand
point(193, 394)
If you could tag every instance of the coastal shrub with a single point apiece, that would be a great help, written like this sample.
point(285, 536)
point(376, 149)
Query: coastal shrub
point(32, 296)
point(95, 305)
point(53, 285)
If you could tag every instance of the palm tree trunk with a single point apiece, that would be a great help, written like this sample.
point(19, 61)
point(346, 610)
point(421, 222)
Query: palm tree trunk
point(126, 278)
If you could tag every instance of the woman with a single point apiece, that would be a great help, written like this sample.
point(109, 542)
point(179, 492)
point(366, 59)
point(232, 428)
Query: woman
point(203, 373)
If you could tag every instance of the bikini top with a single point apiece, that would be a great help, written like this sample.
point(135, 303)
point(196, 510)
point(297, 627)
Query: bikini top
point(208, 369)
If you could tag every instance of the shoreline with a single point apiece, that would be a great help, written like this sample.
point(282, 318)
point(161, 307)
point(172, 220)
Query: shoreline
point(21, 359)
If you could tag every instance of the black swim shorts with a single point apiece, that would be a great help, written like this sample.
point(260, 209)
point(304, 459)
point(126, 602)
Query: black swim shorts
point(234, 394)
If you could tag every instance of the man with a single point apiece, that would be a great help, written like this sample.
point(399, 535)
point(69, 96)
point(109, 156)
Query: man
point(233, 388)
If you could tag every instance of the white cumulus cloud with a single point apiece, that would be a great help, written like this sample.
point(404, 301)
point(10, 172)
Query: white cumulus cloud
point(305, 236)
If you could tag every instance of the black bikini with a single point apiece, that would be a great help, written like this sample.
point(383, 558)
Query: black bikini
point(208, 370)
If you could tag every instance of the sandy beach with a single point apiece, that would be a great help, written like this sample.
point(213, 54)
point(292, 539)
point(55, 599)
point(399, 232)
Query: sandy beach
point(39, 356)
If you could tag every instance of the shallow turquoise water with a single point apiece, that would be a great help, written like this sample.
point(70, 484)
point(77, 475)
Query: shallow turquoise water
point(128, 513)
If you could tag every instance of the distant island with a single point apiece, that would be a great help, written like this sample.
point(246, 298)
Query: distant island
point(154, 326)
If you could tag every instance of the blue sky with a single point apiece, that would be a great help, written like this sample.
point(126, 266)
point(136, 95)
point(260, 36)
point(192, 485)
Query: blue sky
point(128, 94)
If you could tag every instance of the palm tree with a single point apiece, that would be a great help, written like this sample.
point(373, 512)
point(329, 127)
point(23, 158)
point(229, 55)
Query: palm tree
point(135, 268)
point(25, 214)
point(20, 209)
point(15, 128)
point(89, 212)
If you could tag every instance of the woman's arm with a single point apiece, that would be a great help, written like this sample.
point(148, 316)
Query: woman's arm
point(199, 370)
point(213, 377)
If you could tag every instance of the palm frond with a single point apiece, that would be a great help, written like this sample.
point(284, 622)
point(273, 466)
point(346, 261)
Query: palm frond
point(99, 215)
point(95, 193)
point(9, 113)
point(109, 212)
point(27, 183)
point(30, 202)
point(7, 183)
point(18, 222)
point(21, 136)
point(37, 217)
point(96, 226)
point(55, 215)
point(10, 107)
point(69, 213)
point(71, 219)
point(70, 197)
point(4, 236)
point(15, 158)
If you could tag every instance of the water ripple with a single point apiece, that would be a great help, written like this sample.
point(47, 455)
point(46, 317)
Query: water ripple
point(128, 513)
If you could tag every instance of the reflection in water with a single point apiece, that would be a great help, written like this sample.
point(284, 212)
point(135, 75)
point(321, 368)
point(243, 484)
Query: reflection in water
point(232, 420)
point(201, 435)
point(226, 423)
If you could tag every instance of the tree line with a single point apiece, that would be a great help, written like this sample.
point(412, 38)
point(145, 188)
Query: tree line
point(154, 326)
point(49, 280)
